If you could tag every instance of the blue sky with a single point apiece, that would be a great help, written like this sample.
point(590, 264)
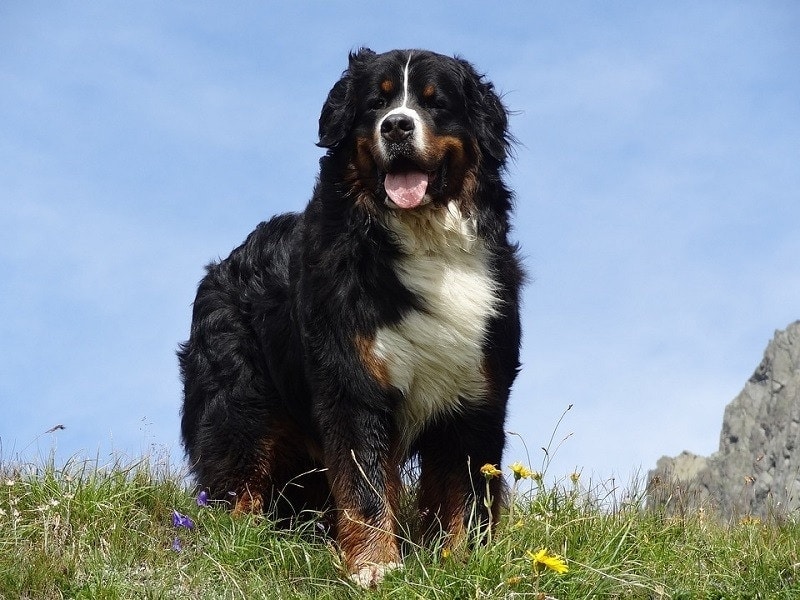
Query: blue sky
point(657, 183)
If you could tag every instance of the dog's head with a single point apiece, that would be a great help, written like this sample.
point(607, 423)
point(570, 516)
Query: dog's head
point(415, 127)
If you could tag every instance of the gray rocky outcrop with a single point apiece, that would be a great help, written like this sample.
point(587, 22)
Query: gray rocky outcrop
point(756, 471)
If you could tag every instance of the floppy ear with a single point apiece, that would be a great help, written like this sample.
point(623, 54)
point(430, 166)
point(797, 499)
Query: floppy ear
point(488, 114)
point(339, 111)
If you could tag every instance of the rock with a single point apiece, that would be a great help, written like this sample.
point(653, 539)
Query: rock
point(756, 471)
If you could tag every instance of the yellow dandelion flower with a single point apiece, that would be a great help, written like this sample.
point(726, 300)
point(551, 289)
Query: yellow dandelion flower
point(575, 477)
point(489, 471)
point(446, 553)
point(543, 559)
point(520, 471)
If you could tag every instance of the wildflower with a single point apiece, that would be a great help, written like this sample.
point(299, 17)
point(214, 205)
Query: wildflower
point(543, 559)
point(489, 471)
point(49, 504)
point(446, 553)
point(520, 471)
point(537, 476)
point(176, 544)
point(202, 498)
point(179, 520)
point(575, 477)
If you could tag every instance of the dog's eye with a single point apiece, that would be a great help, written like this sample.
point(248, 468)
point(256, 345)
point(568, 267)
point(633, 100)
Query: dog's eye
point(432, 98)
point(435, 102)
point(378, 103)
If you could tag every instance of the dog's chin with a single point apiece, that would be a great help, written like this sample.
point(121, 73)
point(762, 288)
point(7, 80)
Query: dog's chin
point(426, 201)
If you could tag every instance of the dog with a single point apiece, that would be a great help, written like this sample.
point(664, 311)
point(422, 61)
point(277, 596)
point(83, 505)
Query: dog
point(378, 325)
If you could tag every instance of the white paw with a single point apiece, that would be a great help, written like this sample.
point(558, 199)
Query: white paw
point(371, 575)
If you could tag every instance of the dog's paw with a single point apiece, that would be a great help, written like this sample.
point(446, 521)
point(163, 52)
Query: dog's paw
point(369, 576)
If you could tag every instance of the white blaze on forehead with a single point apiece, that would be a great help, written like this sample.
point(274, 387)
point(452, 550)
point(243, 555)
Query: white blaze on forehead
point(405, 81)
point(418, 137)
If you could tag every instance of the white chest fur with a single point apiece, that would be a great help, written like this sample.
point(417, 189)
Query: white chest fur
point(434, 356)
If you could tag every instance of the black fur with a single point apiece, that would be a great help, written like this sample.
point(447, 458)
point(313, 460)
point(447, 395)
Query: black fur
point(290, 400)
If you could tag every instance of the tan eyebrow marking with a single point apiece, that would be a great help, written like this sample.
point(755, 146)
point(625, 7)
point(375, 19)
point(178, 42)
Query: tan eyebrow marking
point(387, 85)
point(429, 91)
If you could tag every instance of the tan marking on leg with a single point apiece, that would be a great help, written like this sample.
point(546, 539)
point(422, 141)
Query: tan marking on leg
point(442, 500)
point(369, 545)
point(248, 502)
point(375, 366)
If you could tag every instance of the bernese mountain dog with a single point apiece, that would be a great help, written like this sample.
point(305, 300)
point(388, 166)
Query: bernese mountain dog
point(380, 324)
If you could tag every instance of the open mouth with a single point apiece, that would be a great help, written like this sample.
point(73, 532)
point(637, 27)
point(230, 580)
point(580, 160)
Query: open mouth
point(406, 188)
point(408, 184)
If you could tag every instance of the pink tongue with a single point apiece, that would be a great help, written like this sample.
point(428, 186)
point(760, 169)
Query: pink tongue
point(406, 189)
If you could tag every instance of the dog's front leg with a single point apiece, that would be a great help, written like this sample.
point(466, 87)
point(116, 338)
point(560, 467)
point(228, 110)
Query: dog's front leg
point(364, 477)
point(455, 498)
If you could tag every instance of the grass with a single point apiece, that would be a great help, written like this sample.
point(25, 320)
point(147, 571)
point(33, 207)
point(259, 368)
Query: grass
point(93, 531)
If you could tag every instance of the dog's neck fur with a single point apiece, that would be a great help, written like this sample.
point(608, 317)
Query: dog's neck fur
point(433, 230)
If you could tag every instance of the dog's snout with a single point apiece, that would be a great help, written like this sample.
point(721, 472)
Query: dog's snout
point(397, 127)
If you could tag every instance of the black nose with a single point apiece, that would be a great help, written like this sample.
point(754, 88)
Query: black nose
point(396, 128)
